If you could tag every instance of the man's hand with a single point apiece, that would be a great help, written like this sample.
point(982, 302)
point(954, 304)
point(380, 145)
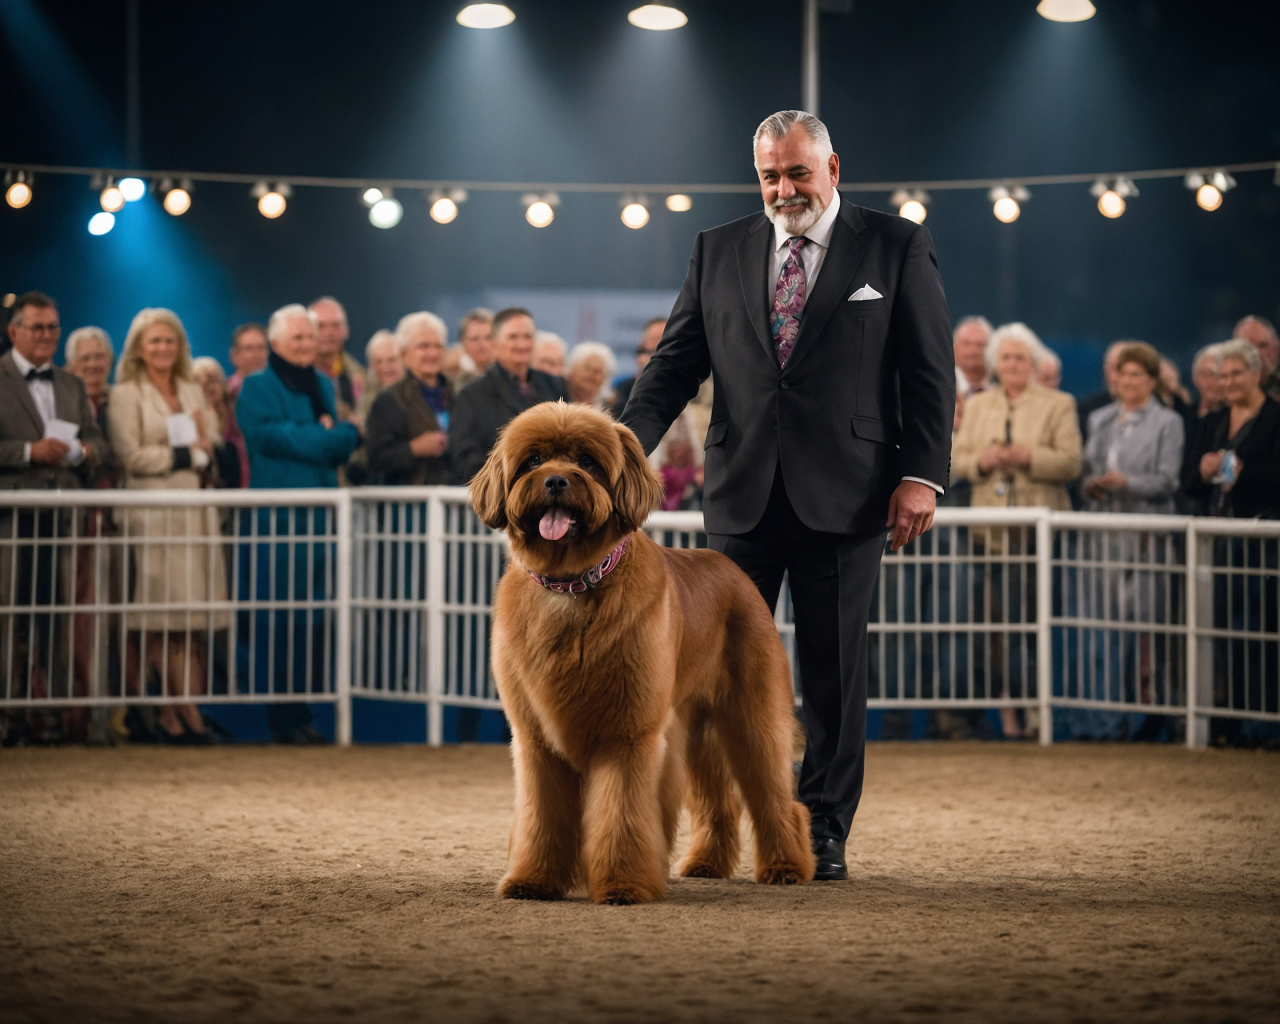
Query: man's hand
point(910, 511)
point(49, 451)
point(992, 458)
point(1210, 463)
point(430, 444)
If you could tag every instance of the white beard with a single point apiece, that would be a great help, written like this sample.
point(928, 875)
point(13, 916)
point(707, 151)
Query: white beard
point(797, 220)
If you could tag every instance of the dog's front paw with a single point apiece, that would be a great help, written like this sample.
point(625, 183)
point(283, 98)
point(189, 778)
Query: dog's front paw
point(622, 898)
point(515, 889)
point(780, 874)
point(700, 869)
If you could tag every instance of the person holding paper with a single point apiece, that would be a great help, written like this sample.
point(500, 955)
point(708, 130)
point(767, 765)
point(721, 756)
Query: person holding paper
point(48, 441)
point(161, 435)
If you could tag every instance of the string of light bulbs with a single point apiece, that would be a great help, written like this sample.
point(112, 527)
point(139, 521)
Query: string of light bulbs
point(116, 189)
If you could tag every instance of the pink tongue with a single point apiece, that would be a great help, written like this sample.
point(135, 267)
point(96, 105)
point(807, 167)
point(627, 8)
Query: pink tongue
point(555, 524)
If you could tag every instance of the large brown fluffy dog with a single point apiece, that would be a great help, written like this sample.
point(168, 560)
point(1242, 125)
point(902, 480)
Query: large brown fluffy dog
point(669, 667)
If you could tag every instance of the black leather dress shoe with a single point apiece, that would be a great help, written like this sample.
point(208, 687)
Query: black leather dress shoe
point(831, 865)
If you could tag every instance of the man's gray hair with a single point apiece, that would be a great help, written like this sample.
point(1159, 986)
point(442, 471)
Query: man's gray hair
point(281, 317)
point(1261, 321)
point(1209, 352)
point(82, 334)
point(379, 336)
point(329, 298)
point(1238, 348)
point(411, 323)
point(981, 321)
point(779, 125)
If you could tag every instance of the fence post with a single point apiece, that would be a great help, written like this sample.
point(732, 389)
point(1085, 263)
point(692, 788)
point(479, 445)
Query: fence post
point(342, 638)
point(1197, 725)
point(435, 619)
point(1044, 630)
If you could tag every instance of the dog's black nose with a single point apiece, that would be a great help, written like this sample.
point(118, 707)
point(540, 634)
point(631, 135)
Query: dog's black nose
point(555, 485)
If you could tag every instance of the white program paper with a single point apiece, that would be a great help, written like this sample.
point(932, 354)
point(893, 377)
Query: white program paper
point(62, 430)
point(182, 430)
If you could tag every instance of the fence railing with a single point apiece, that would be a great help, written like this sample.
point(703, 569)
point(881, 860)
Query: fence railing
point(162, 597)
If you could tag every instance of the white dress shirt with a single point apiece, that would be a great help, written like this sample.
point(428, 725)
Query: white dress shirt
point(812, 255)
point(46, 406)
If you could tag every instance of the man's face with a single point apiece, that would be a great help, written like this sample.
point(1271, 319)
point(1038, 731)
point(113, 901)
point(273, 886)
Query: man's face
point(797, 182)
point(249, 353)
point(1261, 339)
point(384, 362)
point(35, 333)
point(297, 343)
point(649, 343)
point(514, 344)
point(970, 344)
point(477, 342)
point(425, 355)
point(92, 365)
point(331, 328)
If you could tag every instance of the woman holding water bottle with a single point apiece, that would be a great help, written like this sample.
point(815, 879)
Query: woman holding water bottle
point(1236, 461)
point(162, 435)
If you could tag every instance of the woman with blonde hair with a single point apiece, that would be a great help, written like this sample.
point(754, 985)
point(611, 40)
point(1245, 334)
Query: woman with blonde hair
point(162, 437)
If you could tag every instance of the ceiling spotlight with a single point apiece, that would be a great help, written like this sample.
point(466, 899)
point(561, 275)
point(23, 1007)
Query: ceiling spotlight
point(1066, 10)
point(680, 203)
point(271, 198)
point(444, 205)
point(1111, 197)
point(911, 204)
point(17, 191)
point(111, 198)
point(1005, 202)
point(1208, 197)
point(657, 18)
point(386, 212)
point(1209, 187)
point(1111, 204)
point(132, 189)
point(486, 16)
point(635, 212)
point(177, 200)
point(540, 209)
point(371, 196)
point(101, 223)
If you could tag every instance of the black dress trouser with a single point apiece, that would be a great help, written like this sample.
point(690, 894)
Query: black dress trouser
point(832, 579)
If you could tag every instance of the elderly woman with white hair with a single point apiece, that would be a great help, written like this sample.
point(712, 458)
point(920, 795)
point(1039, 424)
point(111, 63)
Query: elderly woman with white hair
point(589, 373)
point(383, 368)
point(89, 355)
point(1019, 443)
point(407, 431)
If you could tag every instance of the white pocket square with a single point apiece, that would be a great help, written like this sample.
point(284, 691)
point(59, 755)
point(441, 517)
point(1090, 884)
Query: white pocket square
point(864, 293)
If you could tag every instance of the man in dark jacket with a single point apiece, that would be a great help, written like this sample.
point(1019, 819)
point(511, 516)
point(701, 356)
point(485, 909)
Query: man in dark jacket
point(508, 388)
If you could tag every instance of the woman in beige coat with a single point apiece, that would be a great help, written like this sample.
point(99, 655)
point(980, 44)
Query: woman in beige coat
point(1019, 443)
point(180, 561)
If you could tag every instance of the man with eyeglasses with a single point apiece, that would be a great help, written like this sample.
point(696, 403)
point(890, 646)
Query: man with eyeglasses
point(49, 440)
point(644, 352)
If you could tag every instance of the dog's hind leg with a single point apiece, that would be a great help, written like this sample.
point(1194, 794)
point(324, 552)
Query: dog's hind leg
point(624, 848)
point(713, 807)
point(546, 833)
point(672, 785)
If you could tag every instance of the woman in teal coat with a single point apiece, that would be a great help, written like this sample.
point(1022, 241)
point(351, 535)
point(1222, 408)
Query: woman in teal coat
point(287, 416)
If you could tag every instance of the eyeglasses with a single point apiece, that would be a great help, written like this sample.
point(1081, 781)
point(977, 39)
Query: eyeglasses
point(41, 328)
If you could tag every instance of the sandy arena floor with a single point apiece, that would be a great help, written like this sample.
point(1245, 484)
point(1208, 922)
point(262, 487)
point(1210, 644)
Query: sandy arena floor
point(266, 884)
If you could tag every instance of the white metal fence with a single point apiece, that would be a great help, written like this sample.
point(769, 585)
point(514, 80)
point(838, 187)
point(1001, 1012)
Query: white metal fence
point(126, 597)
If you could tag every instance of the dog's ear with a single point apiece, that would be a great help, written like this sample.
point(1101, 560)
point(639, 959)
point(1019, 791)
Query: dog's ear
point(639, 489)
point(489, 489)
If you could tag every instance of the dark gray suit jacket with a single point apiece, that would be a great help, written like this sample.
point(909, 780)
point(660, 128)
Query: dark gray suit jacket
point(484, 407)
point(20, 423)
point(867, 397)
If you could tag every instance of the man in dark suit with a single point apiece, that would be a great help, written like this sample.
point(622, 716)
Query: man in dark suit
point(49, 440)
point(826, 331)
point(506, 389)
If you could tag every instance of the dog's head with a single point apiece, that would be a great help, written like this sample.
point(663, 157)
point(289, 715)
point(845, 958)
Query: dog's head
point(567, 484)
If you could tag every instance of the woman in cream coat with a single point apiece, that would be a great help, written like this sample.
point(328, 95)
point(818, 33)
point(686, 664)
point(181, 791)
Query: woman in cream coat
point(1019, 443)
point(153, 384)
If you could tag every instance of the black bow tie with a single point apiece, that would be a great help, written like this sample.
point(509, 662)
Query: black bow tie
point(34, 374)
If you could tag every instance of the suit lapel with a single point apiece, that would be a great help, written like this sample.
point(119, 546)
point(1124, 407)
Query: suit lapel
point(753, 270)
point(849, 241)
point(22, 393)
point(65, 399)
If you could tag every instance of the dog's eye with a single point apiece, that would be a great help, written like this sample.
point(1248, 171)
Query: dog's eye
point(586, 461)
point(533, 461)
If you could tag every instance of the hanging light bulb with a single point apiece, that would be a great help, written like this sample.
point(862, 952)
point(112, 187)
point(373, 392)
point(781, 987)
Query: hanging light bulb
point(540, 209)
point(371, 196)
point(177, 199)
point(132, 189)
point(486, 16)
point(1111, 197)
point(272, 199)
point(1111, 204)
point(386, 212)
point(1066, 10)
point(17, 191)
point(101, 223)
point(679, 203)
point(911, 204)
point(1209, 187)
point(111, 198)
point(444, 205)
point(1208, 197)
point(635, 212)
point(1006, 202)
point(658, 18)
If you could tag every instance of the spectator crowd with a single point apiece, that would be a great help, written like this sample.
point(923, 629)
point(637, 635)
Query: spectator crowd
point(300, 411)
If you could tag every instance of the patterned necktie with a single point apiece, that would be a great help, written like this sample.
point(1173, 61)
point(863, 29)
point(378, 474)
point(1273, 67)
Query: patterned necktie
point(788, 302)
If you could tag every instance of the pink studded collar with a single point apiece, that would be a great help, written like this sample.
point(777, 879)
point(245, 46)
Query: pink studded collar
point(590, 579)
